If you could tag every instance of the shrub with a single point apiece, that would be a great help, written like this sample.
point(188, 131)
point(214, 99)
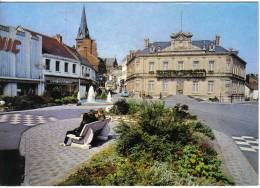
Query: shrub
point(120, 107)
point(159, 149)
point(24, 102)
point(103, 95)
point(180, 113)
point(66, 100)
point(200, 127)
point(134, 106)
point(69, 99)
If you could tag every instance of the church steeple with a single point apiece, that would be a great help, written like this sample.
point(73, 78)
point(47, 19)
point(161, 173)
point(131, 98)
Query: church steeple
point(83, 28)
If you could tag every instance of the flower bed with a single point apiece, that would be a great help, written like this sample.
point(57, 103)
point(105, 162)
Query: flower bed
point(165, 146)
point(33, 101)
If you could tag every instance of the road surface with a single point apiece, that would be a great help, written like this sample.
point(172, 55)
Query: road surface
point(239, 121)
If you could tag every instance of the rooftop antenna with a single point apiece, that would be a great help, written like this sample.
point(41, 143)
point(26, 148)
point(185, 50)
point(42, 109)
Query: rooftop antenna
point(181, 21)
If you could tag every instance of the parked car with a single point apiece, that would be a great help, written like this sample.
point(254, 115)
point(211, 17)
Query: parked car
point(124, 94)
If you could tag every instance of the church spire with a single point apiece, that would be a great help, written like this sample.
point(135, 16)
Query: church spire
point(83, 28)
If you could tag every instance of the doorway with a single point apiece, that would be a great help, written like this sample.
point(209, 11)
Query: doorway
point(179, 87)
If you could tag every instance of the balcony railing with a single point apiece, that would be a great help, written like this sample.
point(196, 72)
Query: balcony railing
point(199, 73)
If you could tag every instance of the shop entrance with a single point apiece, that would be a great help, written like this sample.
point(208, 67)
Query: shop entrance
point(2, 86)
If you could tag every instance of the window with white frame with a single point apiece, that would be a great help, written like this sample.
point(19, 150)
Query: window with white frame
point(82, 70)
point(151, 66)
point(57, 68)
point(195, 65)
point(165, 65)
point(210, 86)
point(74, 68)
point(66, 67)
point(180, 65)
point(211, 65)
point(195, 86)
point(47, 64)
point(227, 83)
point(151, 85)
point(165, 85)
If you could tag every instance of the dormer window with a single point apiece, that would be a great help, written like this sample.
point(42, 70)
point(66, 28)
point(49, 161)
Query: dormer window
point(211, 47)
point(152, 49)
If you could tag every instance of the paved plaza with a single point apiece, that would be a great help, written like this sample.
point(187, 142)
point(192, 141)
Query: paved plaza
point(46, 162)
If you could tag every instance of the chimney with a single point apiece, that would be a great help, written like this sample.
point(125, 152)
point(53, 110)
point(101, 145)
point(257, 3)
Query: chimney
point(217, 40)
point(146, 42)
point(58, 37)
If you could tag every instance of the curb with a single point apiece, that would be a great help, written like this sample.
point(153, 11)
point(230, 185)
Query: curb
point(29, 110)
point(45, 108)
point(236, 163)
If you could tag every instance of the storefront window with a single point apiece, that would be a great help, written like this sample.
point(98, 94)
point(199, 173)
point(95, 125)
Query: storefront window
point(1, 89)
point(26, 89)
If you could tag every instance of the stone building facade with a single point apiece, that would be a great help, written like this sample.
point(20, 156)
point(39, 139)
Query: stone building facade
point(201, 68)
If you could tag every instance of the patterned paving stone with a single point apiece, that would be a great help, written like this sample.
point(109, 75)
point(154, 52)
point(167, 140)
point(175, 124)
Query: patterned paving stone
point(45, 160)
point(25, 119)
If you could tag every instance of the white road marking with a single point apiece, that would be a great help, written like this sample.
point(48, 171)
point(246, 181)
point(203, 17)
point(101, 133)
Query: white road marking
point(3, 118)
point(237, 138)
point(252, 141)
point(248, 137)
point(52, 119)
point(242, 143)
point(255, 147)
point(247, 149)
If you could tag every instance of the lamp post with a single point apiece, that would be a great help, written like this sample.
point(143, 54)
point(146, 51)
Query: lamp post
point(78, 96)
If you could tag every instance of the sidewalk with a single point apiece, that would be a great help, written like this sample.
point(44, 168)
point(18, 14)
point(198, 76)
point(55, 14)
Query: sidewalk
point(46, 161)
point(237, 165)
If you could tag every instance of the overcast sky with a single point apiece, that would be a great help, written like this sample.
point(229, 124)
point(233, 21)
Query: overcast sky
point(120, 27)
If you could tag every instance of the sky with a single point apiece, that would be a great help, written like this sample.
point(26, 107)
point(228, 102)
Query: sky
point(121, 27)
